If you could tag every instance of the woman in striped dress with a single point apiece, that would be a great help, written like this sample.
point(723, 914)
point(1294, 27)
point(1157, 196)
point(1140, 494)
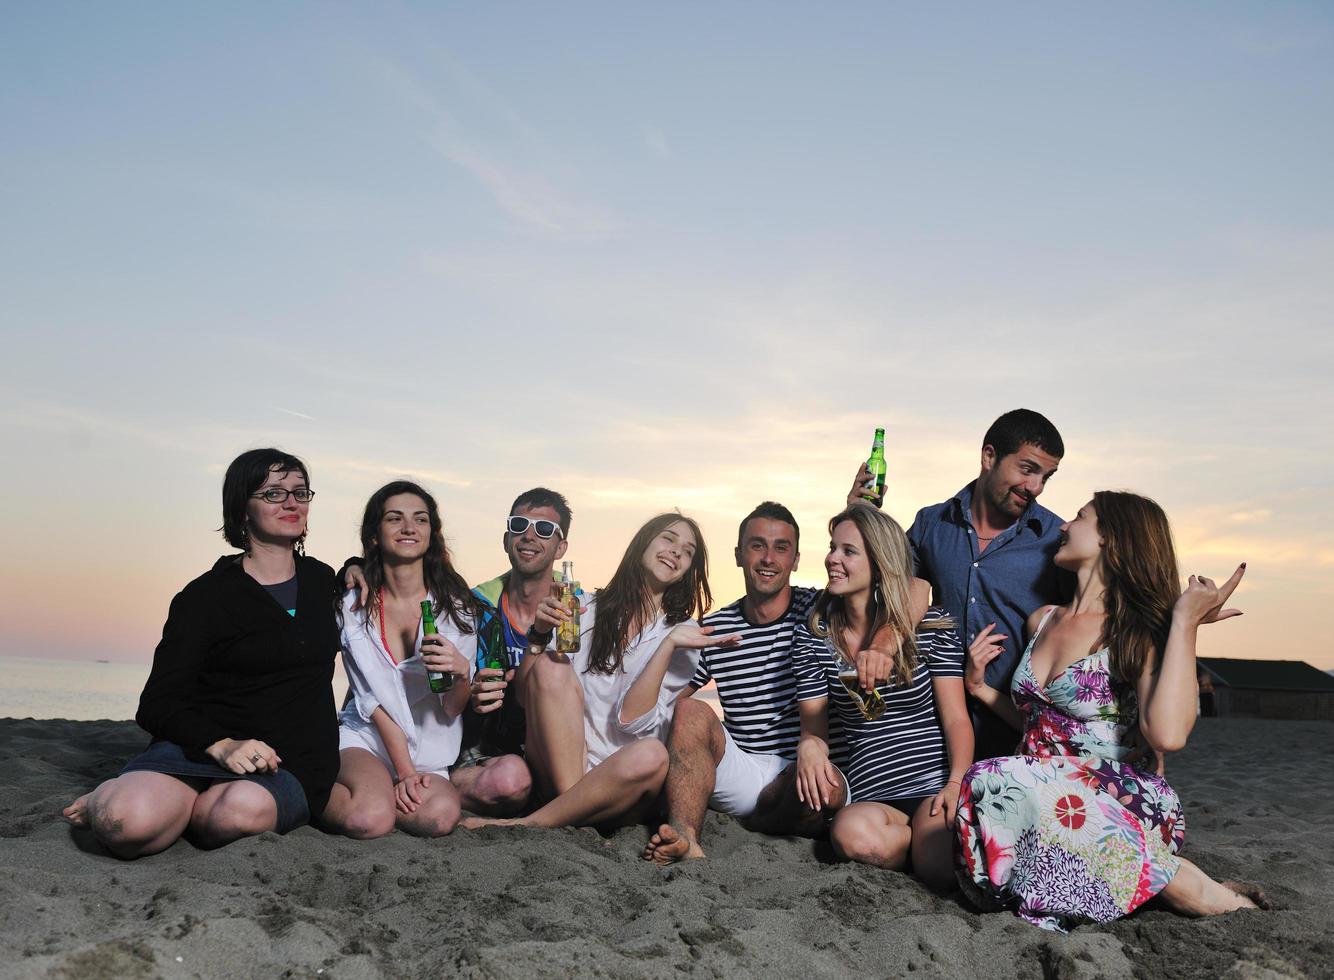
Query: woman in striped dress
point(909, 740)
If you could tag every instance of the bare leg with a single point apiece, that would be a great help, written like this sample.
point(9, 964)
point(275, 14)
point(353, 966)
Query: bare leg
point(872, 833)
point(230, 810)
point(780, 812)
point(135, 814)
point(1192, 892)
point(694, 749)
point(497, 788)
point(620, 785)
point(554, 704)
point(438, 812)
point(361, 803)
point(933, 848)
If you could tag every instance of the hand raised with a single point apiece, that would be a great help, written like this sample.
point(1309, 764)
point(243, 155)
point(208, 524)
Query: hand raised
point(551, 612)
point(859, 494)
point(1202, 601)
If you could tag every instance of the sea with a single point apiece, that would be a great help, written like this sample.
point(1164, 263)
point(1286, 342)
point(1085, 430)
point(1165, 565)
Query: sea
point(92, 690)
point(82, 690)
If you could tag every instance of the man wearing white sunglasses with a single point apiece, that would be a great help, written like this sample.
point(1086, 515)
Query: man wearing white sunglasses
point(491, 774)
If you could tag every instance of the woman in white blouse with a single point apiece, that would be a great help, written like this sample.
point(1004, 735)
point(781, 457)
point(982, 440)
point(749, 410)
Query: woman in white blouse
point(598, 719)
point(397, 739)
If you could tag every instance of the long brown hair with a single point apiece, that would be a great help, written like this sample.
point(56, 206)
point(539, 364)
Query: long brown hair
point(891, 571)
point(1142, 583)
point(625, 604)
point(448, 588)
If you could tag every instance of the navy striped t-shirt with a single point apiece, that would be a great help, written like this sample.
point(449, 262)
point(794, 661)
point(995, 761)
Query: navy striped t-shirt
point(756, 685)
point(902, 753)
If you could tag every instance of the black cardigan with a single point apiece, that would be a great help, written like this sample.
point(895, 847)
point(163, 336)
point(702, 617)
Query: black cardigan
point(233, 664)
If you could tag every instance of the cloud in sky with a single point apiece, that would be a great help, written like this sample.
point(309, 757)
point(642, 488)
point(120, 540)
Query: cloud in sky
point(300, 415)
point(507, 162)
point(656, 141)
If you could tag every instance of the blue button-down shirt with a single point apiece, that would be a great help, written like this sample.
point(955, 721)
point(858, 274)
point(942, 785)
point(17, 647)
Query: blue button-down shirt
point(1001, 585)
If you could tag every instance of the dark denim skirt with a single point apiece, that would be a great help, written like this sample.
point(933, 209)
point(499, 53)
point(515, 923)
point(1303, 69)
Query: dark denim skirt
point(168, 759)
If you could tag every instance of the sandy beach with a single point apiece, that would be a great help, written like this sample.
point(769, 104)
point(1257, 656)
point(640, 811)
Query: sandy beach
point(515, 903)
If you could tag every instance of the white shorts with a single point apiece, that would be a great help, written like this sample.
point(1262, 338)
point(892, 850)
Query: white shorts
point(369, 739)
point(741, 778)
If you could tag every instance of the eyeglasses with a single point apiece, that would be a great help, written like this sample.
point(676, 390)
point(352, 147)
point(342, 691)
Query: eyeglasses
point(544, 529)
point(278, 495)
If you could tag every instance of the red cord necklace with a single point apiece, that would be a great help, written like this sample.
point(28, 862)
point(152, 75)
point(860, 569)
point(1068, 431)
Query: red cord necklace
point(384, 638)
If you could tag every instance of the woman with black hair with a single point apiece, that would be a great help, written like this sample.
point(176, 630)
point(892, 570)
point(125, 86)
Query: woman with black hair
point(397, 737)
point(239, 700)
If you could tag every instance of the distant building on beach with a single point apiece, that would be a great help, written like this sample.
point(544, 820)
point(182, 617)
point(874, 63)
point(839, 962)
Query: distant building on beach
point(1266, 689)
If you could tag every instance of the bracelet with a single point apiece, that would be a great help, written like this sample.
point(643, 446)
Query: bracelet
point(948, 781)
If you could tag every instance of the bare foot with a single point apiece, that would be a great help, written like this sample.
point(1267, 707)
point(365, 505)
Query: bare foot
point(477, 823)
point(1251, 894)
point(77, 812)
point(668, 846)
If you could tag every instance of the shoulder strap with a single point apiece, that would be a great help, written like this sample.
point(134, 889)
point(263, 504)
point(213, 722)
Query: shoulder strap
point(1043, 622)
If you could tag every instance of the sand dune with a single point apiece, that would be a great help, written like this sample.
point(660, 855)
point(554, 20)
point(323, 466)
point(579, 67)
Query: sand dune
point(513, 903)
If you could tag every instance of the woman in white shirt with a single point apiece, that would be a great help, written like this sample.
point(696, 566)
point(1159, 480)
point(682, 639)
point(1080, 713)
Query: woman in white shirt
point(397, 739)
point(598, 720)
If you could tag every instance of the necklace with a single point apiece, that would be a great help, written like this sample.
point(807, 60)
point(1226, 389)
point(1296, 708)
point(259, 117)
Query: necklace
point(505, 606)
point(972, 521)
point(384, 637)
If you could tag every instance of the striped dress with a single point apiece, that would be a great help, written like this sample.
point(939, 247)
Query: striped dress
point(902, 754)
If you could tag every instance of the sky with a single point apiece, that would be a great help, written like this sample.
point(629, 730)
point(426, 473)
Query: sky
point(656, 256)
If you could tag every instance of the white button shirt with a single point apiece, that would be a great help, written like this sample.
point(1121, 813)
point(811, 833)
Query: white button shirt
point(402, 689)
point(604, 732)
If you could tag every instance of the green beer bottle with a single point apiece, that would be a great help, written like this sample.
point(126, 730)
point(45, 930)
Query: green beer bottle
point(876, 464)
point(496, 726)
point(497, 657)
point(440, 683)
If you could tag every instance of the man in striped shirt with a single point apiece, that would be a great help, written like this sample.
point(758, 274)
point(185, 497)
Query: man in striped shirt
point(738, 766)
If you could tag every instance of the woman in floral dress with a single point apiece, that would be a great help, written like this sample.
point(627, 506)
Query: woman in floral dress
point(1076, 829)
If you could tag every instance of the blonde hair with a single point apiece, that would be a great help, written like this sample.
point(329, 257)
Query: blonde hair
point(891, 571)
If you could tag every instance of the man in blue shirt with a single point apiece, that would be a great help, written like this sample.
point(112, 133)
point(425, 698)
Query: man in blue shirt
point(985, 554)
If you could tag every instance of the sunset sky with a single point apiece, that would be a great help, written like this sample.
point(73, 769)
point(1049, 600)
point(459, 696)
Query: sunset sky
point(657, 256)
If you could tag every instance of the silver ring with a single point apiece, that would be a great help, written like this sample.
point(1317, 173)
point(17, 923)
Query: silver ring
point(255, 757)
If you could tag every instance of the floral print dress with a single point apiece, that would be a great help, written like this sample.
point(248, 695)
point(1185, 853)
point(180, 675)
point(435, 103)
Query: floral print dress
point(1068, 832)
